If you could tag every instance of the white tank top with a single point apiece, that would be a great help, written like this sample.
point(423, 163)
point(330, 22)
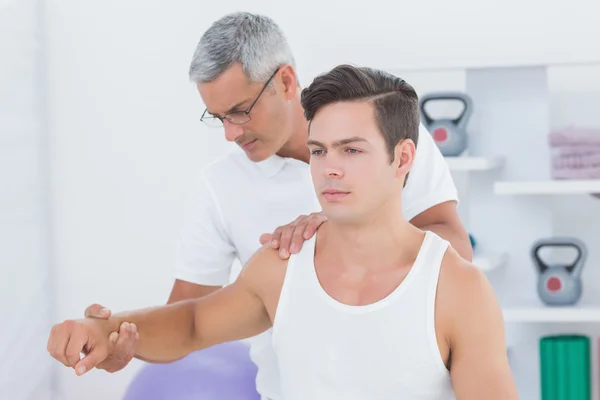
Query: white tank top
point(327, 350)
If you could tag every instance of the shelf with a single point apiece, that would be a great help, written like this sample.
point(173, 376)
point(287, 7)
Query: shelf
point(560, 314)
point(474, 163)
point(489, 262)
point(548, 187)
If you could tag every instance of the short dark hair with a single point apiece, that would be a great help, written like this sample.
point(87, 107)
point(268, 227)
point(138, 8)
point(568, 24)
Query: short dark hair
point(396, 102)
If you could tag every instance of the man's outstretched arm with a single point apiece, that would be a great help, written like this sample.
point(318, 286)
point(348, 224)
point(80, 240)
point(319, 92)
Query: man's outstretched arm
point(167, 333)
point(170, 332)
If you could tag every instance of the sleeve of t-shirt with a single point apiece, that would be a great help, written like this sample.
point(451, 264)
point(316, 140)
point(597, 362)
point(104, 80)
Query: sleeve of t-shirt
point(429, 181)
point(204, 253)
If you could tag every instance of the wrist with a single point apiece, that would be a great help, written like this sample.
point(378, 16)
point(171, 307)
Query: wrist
point(113, 324)
point(107, 326)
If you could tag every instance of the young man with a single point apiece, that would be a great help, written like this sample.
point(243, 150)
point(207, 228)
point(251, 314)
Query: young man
point(245, 73)
point(371, 307)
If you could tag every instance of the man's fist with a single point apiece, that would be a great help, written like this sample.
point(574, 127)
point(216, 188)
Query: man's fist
point(72, 338)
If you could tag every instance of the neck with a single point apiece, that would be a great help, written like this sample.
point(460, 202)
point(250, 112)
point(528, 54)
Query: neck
point(296, 146)
point(378, 241)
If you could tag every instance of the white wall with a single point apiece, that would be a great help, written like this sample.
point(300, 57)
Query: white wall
point(126, 140)
point(25, 278)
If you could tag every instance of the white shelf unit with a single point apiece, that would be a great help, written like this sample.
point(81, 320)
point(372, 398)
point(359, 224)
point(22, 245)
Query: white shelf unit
point(474, 163)
point(508, 161)
point(545, 187)
point(556, 315)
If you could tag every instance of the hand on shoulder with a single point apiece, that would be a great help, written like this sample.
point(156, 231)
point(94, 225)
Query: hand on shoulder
point(289, 238)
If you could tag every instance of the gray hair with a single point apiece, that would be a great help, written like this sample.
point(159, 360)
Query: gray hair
point(252, 40)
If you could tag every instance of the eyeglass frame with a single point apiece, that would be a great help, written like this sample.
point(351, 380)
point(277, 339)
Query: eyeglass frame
point(247, 111)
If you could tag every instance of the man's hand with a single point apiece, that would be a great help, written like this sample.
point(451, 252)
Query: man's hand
point(122, 345)
point(71, 338)
point(289, 238)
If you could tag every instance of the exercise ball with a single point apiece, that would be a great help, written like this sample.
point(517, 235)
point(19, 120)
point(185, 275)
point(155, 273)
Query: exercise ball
point(223, 372)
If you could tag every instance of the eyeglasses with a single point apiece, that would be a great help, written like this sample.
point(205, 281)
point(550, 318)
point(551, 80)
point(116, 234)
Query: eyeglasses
point(236, 117)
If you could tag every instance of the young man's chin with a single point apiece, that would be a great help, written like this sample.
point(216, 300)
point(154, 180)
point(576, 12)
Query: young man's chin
point(338, 212)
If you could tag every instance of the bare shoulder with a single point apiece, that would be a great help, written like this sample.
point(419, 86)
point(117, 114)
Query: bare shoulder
point(264, 272)
point(465, 295)
point(461, 278)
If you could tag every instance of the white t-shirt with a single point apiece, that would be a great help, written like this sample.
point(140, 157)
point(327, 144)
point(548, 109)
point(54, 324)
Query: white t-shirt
point(237, 200)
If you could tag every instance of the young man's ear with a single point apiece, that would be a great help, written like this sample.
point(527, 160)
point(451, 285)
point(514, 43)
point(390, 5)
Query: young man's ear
point(405, 154)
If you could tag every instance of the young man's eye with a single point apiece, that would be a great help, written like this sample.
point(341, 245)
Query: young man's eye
point(316, 152)
point(353, 151)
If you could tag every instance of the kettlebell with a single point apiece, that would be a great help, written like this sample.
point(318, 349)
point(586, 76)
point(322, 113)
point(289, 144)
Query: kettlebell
point(559, 284)
point(450, 135)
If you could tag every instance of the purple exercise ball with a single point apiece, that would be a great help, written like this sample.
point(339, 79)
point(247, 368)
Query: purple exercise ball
point(223, 372)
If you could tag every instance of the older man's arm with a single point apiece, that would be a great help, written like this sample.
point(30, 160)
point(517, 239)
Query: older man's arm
point(444, 220)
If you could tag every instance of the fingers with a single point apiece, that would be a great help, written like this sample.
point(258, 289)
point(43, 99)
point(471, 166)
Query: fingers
point(77, 342)
point(290, 238)
point(265, 238)
point(112, 342)
point(126, 348)
point(276, 237)
point(293, 236)
point(286, 237)
point(126, 343)
point(122, 348)
point(57, 343)
point(97, 311)
point(312, 226)
point(67, 341)
point(297, 238)
point(93, 358)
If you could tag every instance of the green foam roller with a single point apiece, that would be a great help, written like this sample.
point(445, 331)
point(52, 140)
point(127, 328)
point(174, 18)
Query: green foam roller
point(565, 367)
point(548, 368)
point(581, 357)
point(562, 364)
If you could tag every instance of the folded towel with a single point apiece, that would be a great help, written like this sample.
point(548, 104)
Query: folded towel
point(574, 136)
point(576, 150)
point(576, 166)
